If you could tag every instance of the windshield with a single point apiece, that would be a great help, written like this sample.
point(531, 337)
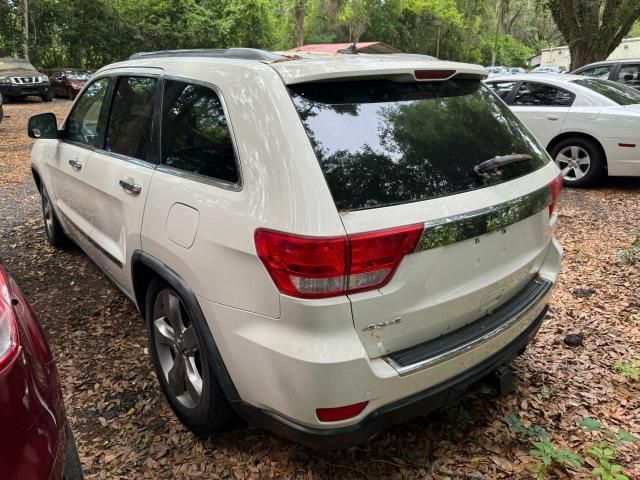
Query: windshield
point(78, 75)
point(380, 142)
point(9, 64)
point(620, 94)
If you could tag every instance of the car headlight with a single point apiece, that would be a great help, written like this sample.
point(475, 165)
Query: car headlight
point(5, 80)
point(44, 79)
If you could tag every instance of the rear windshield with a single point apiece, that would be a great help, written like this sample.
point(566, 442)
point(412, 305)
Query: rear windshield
point(382, 143)
point(621, 94)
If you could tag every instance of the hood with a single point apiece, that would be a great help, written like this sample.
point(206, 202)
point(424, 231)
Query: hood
point(20, 72)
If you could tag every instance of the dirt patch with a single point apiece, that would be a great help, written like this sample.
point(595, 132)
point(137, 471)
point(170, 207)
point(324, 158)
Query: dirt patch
point(125, 429)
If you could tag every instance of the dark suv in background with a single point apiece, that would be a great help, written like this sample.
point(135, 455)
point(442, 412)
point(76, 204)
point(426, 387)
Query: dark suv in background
point(20, 79)
point(625, 71)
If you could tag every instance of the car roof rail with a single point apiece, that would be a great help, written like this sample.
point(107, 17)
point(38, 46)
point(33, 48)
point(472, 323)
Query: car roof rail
point(237, 53)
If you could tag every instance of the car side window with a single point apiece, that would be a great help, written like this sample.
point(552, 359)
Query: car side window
point(195, 132)
point(630, 75)
point(503, 89)
point(83, 124)
point(129, 129)
point(601, 71)
point(540, 95)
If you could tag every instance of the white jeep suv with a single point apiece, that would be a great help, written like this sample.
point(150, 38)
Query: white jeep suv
point(325, 245)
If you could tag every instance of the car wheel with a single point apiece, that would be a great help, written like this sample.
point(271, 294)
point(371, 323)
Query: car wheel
point(72, 465)
point(70, 94)
point(52, 227)
point(580, 160)
point(182, 363)
point(48, 97)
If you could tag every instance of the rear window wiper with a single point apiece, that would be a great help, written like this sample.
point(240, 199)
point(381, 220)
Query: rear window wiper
point(487, 167)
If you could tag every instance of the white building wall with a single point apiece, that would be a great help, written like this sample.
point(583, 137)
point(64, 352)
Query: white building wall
point(559, 56)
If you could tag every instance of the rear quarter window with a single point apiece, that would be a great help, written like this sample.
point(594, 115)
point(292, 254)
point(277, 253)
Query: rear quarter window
point(381, 143)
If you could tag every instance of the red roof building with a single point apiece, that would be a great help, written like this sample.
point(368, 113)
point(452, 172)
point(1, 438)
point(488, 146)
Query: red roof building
point(361, 47)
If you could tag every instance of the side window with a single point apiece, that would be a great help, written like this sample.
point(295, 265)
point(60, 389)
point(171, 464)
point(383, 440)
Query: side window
point(597, 72)
point(540, 95)
point(131, 118)
point(503, 89)
point(83, 125)
point(195, 134)
point(630, 75)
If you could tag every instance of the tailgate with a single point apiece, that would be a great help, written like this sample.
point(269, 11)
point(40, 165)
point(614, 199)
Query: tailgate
point(478, 250)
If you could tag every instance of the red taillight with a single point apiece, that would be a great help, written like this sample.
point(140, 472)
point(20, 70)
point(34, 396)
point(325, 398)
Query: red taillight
point(8, 329)
point(376, 255)
point(340, 413)
point(433, 74)
point(556, 188)
point(320, 267)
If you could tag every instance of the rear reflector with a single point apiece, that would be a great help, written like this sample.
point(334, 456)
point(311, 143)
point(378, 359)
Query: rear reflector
point(433, 74)
point(321, 267)
point(340, 413)
point(556, 188)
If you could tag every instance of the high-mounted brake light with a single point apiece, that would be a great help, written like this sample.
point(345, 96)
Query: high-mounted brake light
point(433, 74)
point(8, 329)
point(340, 413)
point(556, 188)
point(321, 267)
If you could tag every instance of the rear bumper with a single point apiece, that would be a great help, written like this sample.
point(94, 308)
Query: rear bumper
point(416, 405)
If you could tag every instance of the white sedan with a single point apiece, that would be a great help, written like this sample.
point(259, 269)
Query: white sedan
point(590, 127)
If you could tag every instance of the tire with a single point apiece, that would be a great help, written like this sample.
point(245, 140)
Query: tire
point(581, 161)
point(72, 465)
point(193, 392)
point(52, 228)
point(70, 95)
point(48, 97)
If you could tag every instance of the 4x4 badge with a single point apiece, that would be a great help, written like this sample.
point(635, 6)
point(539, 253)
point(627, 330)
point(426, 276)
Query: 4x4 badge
point(377, 326)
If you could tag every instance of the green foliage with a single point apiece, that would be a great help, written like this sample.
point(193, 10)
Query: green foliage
point(604, 452)
point(631, 254)
point(91, 33)
point(630, 369)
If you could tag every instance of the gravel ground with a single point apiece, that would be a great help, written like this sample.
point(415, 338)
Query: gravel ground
point(125, 429)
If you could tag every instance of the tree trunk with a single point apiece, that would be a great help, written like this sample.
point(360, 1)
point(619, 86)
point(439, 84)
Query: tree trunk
point(25, 29)
point(584, 55)
point(298, 18)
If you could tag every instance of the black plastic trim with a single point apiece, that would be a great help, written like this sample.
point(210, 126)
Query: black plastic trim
point(416, 405)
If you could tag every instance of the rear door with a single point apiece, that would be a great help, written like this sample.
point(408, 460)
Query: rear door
point(542, 108)
point(399, 154)
point(119, 174)
point(83, 131)
point(629, 74)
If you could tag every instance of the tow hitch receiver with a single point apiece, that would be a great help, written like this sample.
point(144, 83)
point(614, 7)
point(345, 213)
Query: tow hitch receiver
point(502, 380)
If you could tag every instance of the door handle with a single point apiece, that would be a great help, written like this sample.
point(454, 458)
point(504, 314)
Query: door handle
point(75, 164)
point(129, 185)
point(553, 117)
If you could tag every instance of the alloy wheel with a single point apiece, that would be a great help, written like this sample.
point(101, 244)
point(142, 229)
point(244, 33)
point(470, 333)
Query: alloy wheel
point(178, 348)
point(574, 162)
point(47, 213)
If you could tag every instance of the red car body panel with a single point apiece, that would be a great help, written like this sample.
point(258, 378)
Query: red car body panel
point(33, 438)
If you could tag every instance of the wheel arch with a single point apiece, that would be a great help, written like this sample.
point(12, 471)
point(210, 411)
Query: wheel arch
point(36, 178)
point(565, 135)
point(144, 268)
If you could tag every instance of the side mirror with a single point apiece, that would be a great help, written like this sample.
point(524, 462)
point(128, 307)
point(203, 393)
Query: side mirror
point(43, 125)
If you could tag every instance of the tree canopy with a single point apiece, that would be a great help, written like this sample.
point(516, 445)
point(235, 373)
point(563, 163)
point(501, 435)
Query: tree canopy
point(91, 33)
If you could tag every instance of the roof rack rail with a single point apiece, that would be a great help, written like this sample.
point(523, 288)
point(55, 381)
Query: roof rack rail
point(238, 53)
